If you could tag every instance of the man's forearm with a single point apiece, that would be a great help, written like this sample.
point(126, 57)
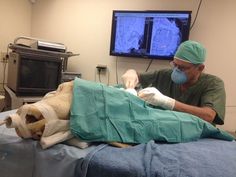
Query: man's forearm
point(205, 113)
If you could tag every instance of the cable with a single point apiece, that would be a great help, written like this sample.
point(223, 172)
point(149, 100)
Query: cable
point(199, 5)
point(117, 82)
point(95, 75)
point(149, 65)
point(108, 77)
point(99, 75)
point(4, 73)
point(5, 65)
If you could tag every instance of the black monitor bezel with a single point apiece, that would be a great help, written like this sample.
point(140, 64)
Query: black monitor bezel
point(113, 33)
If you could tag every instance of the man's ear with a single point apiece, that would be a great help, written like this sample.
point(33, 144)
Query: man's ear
point(201, 67)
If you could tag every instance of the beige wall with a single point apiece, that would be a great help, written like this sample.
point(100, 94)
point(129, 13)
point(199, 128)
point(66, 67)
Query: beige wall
point(15, 18)
point(85, 26)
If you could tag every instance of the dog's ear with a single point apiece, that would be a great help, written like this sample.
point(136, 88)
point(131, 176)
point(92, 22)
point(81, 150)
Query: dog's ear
point(33, 111)
point(37, 128)
point(35, 122)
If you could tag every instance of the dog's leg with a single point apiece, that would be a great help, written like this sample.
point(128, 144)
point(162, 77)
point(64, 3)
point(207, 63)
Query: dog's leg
point(120, 145)
point(36, 126)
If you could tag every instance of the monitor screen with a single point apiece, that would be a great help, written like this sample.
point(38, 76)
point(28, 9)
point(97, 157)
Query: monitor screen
point(39, 74)
point(148, 34)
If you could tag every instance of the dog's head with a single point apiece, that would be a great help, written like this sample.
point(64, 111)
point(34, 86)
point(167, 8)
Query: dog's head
point(28, 122)
point(30, 119)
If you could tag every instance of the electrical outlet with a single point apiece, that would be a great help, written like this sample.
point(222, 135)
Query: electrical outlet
point(3, 57)
point(101, 68)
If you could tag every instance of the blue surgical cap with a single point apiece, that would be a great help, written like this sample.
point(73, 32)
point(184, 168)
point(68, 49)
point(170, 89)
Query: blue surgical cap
point(191, 51)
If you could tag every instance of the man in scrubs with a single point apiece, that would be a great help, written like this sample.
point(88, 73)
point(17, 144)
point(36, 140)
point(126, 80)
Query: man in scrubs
point(183, 88)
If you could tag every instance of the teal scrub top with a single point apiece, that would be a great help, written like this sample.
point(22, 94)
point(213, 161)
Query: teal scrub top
point(208, 91)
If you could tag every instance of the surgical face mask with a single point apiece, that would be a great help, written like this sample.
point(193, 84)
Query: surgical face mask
point(178, 76)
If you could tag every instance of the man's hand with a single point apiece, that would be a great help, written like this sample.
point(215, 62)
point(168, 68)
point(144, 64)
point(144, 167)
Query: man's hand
point(130, 78)
point(156, 98)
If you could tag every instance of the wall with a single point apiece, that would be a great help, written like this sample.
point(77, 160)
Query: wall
point(85, 26)
point(15, 18)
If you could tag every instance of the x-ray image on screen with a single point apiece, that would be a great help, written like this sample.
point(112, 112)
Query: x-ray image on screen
point(129, 34)
point(149, 34)
point(166, 37)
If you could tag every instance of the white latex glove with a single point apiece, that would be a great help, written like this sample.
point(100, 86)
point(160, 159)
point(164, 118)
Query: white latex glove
point(156, 98)
point(130, 78)
point(132, 91)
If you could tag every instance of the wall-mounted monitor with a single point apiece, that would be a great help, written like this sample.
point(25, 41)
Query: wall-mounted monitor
point(148, 34)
